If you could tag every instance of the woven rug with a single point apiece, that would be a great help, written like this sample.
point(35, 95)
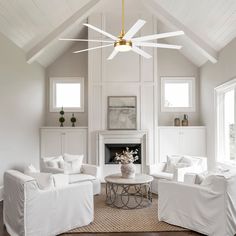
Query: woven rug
point(108, 219)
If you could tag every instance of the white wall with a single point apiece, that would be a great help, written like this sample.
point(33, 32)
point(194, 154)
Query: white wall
point(173, 63)
point(22, 104)
point(213, 75)
point(70, 65)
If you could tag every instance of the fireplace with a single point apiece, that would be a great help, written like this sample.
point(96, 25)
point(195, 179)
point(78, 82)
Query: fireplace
point(112, 148)
point(111, 142)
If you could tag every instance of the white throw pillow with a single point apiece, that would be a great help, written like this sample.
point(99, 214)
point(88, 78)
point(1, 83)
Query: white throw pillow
point(72, 167)
point(70, 157)
point(52, 162)
point(31, 169)
point(186, 160)
point(61, 164)
point(43, 180)
point(171, 163)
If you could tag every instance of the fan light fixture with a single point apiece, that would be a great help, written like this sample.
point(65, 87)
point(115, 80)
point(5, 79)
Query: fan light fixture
point(123, 45)
point(125, 41)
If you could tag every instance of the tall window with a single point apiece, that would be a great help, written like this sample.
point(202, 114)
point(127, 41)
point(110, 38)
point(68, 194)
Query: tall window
point(67, 93)
point(177, 94)
point(226, 121)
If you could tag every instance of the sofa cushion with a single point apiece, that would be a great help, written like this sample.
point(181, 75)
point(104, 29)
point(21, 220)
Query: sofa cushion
point(80, 177)
point(163, 175)
point(60, 180)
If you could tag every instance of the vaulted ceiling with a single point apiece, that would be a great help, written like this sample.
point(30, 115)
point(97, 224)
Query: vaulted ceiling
point(36, 25)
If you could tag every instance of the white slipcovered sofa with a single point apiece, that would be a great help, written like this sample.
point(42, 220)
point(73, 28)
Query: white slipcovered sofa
point(208, 208)
point(77, 171)
point(175, 168)
point(31, 211)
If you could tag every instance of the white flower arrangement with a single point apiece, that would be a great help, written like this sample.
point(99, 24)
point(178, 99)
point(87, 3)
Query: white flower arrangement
point(127, 156)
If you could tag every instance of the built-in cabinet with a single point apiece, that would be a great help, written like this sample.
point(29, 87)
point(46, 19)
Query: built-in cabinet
point(189, 140)
point(57, 141)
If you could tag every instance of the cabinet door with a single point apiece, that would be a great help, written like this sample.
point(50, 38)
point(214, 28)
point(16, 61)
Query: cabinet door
point(75, 142)
point(169, 142)
point(193, 142)
point(51, 143)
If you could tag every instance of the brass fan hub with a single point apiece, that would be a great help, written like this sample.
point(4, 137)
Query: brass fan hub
point(123, 42)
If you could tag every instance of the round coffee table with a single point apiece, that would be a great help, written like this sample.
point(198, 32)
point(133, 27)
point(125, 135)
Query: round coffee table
point(128, 193)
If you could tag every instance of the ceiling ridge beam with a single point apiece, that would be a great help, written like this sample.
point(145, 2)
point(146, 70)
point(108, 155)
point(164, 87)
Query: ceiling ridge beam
point(78, 16)
point(158, 11)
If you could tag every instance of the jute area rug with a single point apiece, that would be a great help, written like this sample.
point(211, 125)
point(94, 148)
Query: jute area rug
point(108, 219)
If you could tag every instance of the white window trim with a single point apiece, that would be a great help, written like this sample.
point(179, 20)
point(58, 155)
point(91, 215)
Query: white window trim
point(192, 94)
point(52, 95)
point(218, 110)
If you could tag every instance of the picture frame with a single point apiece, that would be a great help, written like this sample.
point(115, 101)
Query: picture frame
point(122, 113)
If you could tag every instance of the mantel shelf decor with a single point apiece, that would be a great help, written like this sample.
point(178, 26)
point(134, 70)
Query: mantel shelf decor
point(122, 114)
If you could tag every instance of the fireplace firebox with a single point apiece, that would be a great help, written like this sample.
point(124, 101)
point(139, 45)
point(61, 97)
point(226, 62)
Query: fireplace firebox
point(112, 149)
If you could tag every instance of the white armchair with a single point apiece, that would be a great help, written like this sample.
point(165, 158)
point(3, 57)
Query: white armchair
point(175, 168)
point(31, 211)
point(87, 173)
point(209, 208)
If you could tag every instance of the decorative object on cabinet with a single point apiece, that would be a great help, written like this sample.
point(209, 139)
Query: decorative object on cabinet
point(62, 119)
point(73, 120)
point(122, 113)
point(127, 158)
point(187, 140)
point(177, 121)
point(185, 120)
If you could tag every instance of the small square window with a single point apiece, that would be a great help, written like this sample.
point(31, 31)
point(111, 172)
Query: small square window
point(67, 93)
point(177, 94)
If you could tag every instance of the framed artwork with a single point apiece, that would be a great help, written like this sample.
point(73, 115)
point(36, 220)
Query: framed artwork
point(122, 113)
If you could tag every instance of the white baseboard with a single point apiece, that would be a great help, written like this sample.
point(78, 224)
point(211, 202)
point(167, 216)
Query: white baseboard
point(1, 193)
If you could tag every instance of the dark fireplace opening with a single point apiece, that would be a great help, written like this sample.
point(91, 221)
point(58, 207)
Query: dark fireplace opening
point(112, 149)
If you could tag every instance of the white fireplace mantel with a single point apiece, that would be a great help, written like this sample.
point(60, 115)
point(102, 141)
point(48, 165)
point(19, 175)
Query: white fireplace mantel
point(120, 137)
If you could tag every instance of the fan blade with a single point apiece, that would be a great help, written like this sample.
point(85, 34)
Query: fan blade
point(141, 52)
point(113, 54)
point(87, 40)
point(134, 29)
point(157, 45)
point(88, 49)
point(158, 36)
point(101, 31)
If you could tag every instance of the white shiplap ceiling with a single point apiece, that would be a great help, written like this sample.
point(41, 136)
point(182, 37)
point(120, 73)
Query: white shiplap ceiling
point(32, 24)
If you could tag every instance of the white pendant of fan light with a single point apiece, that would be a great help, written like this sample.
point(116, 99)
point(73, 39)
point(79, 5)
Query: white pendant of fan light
point(125, 41)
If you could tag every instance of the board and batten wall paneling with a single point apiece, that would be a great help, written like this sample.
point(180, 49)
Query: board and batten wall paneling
point(213, 75)
point(22, 102)
point(69, 65)
point(173, 63)
point(126, 75)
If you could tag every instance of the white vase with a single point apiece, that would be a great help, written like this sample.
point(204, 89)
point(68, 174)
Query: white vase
point(128, 171)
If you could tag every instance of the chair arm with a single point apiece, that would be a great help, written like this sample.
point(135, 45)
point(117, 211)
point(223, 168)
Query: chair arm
point(152, 169)
point(53, 170)
point(91, 170)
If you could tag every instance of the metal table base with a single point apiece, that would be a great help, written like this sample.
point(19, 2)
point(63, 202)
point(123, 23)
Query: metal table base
point(128, 196)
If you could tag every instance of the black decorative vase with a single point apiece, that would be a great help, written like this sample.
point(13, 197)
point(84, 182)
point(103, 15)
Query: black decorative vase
point(62, 119)
point(73, 120)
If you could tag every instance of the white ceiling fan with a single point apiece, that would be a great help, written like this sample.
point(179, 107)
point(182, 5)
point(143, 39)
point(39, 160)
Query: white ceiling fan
point(125, 41)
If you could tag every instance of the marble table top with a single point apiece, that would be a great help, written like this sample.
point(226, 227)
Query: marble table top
point(139, 179)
